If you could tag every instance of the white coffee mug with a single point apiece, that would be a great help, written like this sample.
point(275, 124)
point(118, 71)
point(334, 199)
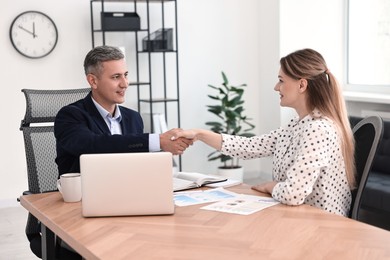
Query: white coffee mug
point(69, 185)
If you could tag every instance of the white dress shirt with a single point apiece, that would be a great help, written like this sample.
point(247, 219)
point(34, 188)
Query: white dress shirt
point(113, 123)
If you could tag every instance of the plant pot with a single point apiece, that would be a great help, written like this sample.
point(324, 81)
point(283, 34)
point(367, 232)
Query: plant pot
point(232, 173)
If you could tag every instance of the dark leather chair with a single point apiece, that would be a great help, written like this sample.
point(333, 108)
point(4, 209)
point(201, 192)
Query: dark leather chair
point(40, 147)
point(368, 132)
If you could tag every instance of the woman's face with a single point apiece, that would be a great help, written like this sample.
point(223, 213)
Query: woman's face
point(292, 91)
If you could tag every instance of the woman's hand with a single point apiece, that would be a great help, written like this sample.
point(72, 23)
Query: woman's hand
point(266, 187)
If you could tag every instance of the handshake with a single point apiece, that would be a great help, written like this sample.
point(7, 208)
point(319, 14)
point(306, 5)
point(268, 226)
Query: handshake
point(175, 141)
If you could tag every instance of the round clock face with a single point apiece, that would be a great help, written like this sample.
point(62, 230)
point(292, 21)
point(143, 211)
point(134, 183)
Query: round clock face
point(33, 34)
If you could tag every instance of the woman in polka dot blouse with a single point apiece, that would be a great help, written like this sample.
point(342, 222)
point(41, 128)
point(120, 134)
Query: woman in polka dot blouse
point(313, 160)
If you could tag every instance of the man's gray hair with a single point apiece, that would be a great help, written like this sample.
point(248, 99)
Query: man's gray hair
point(94, 59)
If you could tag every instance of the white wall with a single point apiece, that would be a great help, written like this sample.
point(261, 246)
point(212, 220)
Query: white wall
point(238, 37)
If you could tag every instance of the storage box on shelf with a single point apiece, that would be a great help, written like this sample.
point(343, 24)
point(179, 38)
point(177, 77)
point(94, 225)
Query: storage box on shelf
point(160, 40)
point(118, 21)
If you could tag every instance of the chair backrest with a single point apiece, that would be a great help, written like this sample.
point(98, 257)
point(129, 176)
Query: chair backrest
point(367, 133)
point(40, 146)
point(38, 132)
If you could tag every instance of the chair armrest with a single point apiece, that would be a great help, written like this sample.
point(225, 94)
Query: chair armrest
point(27, 192)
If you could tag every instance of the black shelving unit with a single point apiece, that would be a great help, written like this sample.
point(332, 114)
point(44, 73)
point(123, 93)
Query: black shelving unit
point(151, 97)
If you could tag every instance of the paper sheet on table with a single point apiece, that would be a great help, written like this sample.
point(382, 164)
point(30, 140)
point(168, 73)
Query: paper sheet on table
point(242, 204)
point(188, 198)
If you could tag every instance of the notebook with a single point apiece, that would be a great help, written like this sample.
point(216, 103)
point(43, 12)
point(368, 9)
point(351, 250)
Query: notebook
point(126, 184)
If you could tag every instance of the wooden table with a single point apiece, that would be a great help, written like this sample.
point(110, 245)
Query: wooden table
point(278, 232)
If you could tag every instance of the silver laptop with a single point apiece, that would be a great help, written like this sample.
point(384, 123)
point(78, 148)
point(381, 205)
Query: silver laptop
point(126, 184)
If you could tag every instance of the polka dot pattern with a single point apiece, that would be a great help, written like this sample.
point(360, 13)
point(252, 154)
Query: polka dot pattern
point(307, 162)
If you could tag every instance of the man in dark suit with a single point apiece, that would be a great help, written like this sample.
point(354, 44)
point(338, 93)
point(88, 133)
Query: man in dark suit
point(97, 124)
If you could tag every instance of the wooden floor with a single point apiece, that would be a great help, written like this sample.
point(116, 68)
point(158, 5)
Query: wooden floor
point(13, 241)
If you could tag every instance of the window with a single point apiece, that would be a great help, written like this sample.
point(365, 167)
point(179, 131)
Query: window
point(369, 42)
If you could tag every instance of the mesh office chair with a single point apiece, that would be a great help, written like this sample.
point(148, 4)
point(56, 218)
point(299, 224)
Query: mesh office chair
point(367, 133)
point(40, 146)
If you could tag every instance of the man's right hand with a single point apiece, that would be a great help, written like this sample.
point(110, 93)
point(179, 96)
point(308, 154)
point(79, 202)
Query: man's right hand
point(177, 146)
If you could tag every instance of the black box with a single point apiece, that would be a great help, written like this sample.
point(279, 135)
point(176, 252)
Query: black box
point(117, 21)
point(160, 40)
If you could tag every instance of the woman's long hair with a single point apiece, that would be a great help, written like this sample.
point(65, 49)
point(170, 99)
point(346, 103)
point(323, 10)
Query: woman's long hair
point(325, 94)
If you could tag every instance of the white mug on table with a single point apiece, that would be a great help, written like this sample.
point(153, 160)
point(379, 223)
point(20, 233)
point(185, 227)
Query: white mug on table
point(69, 186)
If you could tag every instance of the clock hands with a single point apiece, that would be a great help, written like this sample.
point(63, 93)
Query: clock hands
point(24, 29)
point(28, 31)
point(34, 35)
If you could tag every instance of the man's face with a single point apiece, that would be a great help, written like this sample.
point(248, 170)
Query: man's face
point(109, 87)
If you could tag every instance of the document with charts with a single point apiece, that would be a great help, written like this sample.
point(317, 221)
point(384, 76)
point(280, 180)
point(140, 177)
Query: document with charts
point(188, 198)
point(243, 204)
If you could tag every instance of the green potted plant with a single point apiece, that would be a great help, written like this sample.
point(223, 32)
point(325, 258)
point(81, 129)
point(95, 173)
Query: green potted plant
point(230, 111)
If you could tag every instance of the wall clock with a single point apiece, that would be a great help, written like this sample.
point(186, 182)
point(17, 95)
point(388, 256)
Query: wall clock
point(33, 34)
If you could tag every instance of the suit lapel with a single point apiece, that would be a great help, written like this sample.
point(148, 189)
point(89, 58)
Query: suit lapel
point(123, 122)
point(95, 115)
